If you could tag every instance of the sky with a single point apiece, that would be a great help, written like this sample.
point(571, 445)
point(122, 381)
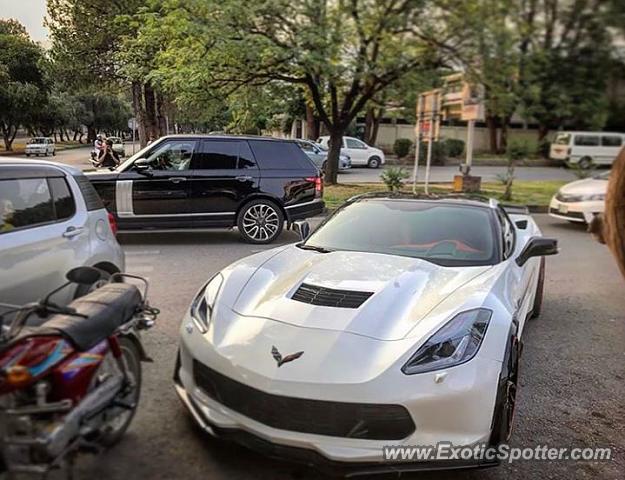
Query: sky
point(29, 13)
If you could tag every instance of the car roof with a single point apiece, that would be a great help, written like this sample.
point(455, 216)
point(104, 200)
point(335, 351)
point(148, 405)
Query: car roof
point(38, 164)
point(224, 136)
point(450, 199)
point(580, 132)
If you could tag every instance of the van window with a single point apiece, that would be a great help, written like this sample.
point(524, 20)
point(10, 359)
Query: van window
point(24, 203)
point(562, 139)
point(611, 141)
point(587, 140)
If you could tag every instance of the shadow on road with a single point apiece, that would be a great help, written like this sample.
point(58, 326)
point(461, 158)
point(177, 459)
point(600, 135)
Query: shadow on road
point(200, 237)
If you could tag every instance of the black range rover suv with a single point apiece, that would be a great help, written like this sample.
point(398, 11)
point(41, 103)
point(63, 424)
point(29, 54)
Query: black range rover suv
point(203, 181)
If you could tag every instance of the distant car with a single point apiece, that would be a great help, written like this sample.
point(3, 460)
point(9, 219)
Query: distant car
point(587, 148)
point(398, 321)
point(203, 181)
point(319, 155)
point(51, 220)
point(118, 146)
point(581, 200)
point(40, 146)
point(358, 151)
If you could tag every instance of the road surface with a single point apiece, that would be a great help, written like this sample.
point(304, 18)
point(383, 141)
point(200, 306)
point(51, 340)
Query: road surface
point(572, 387)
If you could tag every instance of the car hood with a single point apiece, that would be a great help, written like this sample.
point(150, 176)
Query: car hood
point(587, 186)
point(403, 290)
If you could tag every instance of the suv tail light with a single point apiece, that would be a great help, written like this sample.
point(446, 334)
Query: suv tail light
point(113, 223)
point(318, 181)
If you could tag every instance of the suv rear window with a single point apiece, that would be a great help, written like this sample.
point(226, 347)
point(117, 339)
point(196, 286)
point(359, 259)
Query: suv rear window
point(89, 193)
point(275, 155)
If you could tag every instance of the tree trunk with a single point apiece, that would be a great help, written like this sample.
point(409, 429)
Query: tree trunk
point(160, 114)
point(139, 111)
point(503, 140)
point(376, 127)
point(312, 124)
point(543, 131)
point(150, 112)
point(91, 133)
point(75, 134)
point(492, 134)
point(8, 135)
point(369, 121)
point(332, 167)
point(613, 222)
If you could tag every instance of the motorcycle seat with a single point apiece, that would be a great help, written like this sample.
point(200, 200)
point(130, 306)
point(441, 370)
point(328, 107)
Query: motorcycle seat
point(105, 309)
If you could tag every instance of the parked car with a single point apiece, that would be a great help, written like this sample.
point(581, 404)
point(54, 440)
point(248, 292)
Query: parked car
point(587, 148)
point(358, 151)
point(581, 200)
point(204, 181)
point(51, 220)
point(40, 146)
point(118, 146)
point(327, 349)
point(319, 155)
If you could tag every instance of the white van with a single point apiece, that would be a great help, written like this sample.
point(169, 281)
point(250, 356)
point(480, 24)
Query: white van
point(587, 148)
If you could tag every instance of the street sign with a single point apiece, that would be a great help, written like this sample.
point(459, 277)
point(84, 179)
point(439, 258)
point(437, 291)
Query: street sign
point(132, 124)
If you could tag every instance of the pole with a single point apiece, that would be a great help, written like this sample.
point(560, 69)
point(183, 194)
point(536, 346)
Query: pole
point(417, 149)
point(470, 136)
point(133, 137)
point(430, 141)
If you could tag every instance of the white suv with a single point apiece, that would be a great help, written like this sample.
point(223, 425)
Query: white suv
point(51, 220)
point(358, 151)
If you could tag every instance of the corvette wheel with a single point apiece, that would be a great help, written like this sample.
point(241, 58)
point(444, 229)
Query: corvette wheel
point(260, 221)
point(540, 287)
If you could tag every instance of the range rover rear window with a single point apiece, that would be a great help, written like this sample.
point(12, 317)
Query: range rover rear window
point(275, 155)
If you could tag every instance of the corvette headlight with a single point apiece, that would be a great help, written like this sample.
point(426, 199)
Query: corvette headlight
point(204, 302)
point(456, 342)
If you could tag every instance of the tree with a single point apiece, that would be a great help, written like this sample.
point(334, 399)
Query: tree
point(343, 54)
point(22, 86)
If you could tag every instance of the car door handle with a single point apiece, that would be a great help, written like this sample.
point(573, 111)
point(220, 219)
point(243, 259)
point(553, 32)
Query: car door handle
point(71, 232)
point(244, 178)
point(178, 179)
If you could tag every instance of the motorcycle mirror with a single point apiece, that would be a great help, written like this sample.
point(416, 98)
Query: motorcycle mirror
point(83, 275)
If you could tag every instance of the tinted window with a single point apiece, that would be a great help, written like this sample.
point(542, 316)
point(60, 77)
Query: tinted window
point(172, 155)
point(64, 205)
point(586, 140)
point(246, 159)
point(440, 233)
point(353, 143)
point(217, 155)
point(562, 139)
point(24, 203)
point(611, 141)
point(89, 193)
point(274, 155)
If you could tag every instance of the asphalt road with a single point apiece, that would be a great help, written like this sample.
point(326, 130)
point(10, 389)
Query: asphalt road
point(572, 378)
point(79, 157)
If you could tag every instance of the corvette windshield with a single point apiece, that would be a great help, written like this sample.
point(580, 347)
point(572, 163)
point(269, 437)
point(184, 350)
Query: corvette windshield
point(443, 233)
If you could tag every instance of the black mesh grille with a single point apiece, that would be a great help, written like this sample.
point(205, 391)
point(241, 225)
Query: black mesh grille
point(336, 419)
point(329, 297)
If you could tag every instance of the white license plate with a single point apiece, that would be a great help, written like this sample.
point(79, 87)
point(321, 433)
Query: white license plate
point(562, 208)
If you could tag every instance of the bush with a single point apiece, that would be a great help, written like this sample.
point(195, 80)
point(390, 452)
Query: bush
point(439, 153)
point(402, 147)
point(454, 148)
point(393, 178)
point(517, 150)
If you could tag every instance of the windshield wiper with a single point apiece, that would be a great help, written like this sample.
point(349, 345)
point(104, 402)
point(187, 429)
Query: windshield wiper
point(303, 246)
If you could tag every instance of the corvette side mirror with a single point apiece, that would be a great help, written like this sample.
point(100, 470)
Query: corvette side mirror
point(302, 228)
point(537, 247)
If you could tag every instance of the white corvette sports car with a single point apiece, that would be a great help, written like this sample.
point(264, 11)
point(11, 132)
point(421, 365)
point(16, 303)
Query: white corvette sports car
point(396, 322)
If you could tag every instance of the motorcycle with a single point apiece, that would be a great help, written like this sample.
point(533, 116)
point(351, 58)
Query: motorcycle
point(71, 383)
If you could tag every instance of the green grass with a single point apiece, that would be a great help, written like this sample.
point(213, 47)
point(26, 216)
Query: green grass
point(523, 192)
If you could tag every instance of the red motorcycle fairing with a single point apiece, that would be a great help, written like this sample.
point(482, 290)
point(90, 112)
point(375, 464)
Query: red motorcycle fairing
point(71, 370)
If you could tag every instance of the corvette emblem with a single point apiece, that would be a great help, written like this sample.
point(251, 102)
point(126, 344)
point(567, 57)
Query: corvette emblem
point(277, 356)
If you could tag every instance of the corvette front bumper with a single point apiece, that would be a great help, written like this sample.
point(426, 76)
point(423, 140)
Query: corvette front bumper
point(455, 405)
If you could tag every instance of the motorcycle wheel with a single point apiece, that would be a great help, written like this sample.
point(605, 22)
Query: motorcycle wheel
point(118, 419)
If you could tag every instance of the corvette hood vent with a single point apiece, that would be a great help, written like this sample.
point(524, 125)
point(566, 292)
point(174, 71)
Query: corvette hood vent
point(329, 297)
